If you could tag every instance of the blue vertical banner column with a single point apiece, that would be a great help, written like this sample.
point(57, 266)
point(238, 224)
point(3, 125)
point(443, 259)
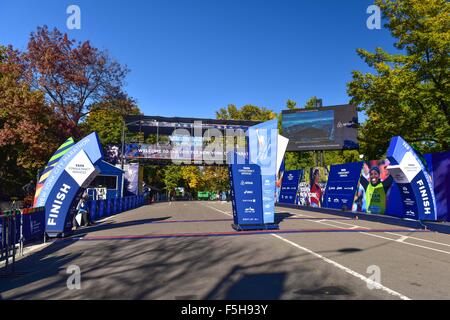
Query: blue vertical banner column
point(438, 165)
point(246, 197)
point(263, 150)
point(289, 186)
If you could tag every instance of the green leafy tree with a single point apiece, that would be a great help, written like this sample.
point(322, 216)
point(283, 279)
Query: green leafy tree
point(408, 93)
point(311, 103)
point(154, 176)
point(216, 179)
point(247, 112)
point(291, 104)
point(106, 118)
point(192, 178)
point(172, 178)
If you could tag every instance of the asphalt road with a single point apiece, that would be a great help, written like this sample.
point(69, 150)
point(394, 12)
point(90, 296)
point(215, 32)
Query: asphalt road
point(188, 250)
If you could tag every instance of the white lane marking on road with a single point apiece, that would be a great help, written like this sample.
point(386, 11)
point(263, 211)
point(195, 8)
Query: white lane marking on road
point(105, 219)
point(404, 242)
point(402, 238)
point(224, 212)
point(348, 224)
point(420, 239)
point(386, 238)
point(327, 224)
point(364, 233)
point(348, 270)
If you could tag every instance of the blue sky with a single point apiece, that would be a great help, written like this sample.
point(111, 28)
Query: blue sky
point(191, 57)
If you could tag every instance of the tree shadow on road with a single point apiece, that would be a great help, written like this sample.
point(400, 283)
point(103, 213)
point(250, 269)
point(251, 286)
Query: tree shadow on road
point(109, 225)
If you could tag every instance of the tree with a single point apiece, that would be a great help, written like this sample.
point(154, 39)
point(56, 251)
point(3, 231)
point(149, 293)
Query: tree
point(291, 104)
point(154, 176)
point(216, 178)
point(247, 112)
point(172, 177)
point(312, 103)
point(29, 132)
point(106, 118)
point(408, 94)
point(73, 76)
point(192, 178)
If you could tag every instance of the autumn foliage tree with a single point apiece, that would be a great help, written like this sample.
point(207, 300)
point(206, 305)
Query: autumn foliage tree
point(28, 128)
point(46, 92)
point(74, 76)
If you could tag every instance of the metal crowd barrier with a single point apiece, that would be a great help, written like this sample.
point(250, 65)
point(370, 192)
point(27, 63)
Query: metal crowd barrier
point(99, 209)
point(9, 236)
point(18, 226)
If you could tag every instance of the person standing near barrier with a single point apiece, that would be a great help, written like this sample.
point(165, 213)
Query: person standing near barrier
point(82, 209)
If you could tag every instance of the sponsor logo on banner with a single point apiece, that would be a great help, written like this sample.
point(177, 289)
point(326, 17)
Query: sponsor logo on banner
point(249, 210)
point(80, 168)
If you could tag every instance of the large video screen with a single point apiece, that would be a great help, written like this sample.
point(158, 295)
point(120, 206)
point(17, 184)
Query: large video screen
point(327, 128)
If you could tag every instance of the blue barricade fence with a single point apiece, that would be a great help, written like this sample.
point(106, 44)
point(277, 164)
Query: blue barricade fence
point(33, 223)
point(99, 209)
point(93, 210)
point(29, 224)
point(108, 207)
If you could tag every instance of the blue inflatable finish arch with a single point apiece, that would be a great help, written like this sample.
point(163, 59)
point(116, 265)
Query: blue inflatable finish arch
point(414, 182)
point(62, 189)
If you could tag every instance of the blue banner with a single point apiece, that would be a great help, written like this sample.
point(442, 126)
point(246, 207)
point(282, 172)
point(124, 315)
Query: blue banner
point(33, 225)
point(289, 186)
point(342, 185)
point(413, 180)
point(438, 165)
point(245, 182)
point(263, 150)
